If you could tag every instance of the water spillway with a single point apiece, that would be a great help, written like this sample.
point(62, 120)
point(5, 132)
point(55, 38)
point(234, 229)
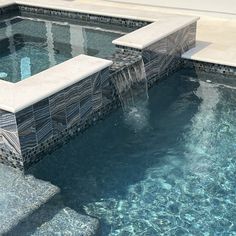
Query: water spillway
point(131, 85)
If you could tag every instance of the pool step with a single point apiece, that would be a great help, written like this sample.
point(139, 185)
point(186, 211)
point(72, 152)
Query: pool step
point(69, 222)
point(32, 207)
point(20, 196)
point(53, 218)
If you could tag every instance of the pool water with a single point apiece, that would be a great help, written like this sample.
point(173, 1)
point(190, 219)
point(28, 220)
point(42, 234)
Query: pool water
point(29, 45)
point(166, 169)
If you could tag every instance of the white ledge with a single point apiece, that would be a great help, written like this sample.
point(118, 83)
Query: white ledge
point(6, 3)
point(154, 32)
point(15, 97)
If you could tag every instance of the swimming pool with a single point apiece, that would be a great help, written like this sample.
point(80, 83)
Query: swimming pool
point(31, 45)
point(168, 169)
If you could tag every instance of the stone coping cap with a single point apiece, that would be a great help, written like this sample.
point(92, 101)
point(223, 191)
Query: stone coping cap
point(208, 52)
point(17, 96)
point(154, 32)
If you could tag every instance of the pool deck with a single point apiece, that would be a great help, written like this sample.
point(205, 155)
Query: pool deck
point(215, 42)
point(225, 9)
point(216, 31)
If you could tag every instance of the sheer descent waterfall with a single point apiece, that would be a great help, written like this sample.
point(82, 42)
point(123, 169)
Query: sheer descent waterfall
point(131, 85)
point(132, 88)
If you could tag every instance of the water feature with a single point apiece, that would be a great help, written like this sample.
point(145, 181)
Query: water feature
point(131, 85)
point(132, 89)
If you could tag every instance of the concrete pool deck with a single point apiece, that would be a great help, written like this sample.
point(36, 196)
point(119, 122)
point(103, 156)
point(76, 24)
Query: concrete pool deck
point(225, 9)
point(215, 32)
point(215, 42)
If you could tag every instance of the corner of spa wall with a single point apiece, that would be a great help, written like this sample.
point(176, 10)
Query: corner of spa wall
point(34, 130)
point(164, 55)
point(48, 124)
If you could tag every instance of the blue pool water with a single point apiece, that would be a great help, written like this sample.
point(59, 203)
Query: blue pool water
point(166, 169)
point(29, 45)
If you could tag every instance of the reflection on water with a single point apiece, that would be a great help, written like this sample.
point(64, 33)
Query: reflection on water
point(200, 138)
point(46, 44)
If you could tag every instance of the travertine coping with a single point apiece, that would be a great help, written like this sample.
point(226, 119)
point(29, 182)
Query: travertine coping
point(15, 97)
point(154, 32)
